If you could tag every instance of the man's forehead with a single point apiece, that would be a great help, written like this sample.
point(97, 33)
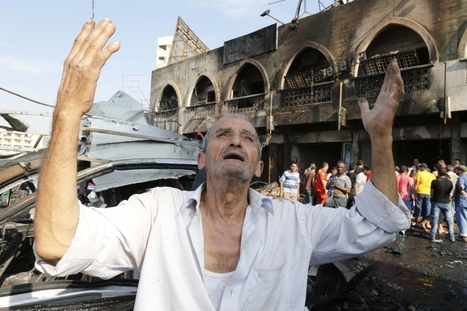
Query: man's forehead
point(234, 123)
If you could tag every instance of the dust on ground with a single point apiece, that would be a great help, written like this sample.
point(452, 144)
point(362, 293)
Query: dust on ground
point(412, 273)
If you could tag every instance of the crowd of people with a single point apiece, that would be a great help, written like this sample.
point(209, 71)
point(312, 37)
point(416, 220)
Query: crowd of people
point(436, 196)
point(433, 192)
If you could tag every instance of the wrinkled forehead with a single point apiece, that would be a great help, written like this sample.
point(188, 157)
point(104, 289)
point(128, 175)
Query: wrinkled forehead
point(235, 124)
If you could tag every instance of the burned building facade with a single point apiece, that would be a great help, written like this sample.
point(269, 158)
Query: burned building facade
point(299, 85)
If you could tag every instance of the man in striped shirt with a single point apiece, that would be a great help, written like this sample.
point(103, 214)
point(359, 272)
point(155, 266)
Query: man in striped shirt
point(290, 183)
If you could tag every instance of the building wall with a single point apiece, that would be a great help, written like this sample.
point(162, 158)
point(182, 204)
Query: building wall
point(436, 30)
point(164, 45)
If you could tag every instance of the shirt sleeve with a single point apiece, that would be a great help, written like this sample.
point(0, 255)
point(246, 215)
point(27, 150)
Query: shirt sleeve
point(360, 178)
point(338, 234)
point(282, 178)
point(106, 241)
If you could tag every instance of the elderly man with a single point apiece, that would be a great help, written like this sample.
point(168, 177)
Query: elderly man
point(223, 246)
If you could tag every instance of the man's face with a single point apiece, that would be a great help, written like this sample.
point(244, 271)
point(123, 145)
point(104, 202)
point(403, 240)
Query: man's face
point(415, 162)
point(340, 169)
point(232, 151)
point(294, 168)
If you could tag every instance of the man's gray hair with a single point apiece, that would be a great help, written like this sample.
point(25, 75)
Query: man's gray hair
point(206, 138)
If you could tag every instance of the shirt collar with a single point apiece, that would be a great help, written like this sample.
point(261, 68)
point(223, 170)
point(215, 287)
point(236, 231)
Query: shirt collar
point(256, 200)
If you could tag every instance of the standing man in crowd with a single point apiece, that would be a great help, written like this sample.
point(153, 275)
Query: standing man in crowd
point(223, 246)
point(290, 183)
point(416, 164)
point(360, 166)
point(321, 184)
point(332, 177)
point(310, 174)
point(453, 176)
point(341, 188)
point(353, 177)
point(404, 187)
point(461, 201)
point(422, 186)
point(456, 162)
point(361, 179)
point(441, 194)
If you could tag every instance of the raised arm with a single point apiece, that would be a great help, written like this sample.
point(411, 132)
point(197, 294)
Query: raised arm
point(378, 123)
point(57, 211)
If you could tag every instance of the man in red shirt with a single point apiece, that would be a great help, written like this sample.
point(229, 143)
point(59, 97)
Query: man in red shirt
point(321, 182)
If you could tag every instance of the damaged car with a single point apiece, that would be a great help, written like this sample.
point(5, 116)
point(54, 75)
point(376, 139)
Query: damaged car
point(116, 159)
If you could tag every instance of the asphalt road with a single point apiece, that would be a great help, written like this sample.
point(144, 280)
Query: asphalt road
point(418, 274)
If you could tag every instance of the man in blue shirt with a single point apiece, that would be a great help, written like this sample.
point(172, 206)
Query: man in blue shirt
point(461, 201)
point(290, 183)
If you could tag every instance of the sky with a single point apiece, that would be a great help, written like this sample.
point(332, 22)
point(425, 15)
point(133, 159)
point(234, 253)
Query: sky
point(36, 36)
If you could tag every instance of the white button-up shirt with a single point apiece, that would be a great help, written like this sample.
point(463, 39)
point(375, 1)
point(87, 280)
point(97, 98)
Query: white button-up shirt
point(160, 233)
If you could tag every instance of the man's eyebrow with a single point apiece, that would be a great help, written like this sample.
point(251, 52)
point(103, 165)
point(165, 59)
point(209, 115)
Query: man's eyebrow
point(224, 129)
point(243, 131)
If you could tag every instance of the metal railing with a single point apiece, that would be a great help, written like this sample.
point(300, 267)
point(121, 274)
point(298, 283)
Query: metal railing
point(200, 112)
point(245, 104)
point(308, 96)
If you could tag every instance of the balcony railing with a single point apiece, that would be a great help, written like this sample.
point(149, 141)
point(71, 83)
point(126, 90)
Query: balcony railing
point(309, 96)
point(305, 79)
point(200, 112)
point(378, 64)
point(415, 79)
point(163, 119)
point(245, 104)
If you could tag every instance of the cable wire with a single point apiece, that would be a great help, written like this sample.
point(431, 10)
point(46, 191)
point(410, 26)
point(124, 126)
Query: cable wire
point(27, 98)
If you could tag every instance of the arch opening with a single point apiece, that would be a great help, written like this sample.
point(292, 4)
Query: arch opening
point(169, 99)
point(248, 90)
point(203, 93)
point(310, 66)
point(395, 41)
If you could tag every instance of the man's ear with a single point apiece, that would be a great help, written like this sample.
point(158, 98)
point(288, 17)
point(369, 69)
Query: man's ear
point(259, 169)
point(201, 158)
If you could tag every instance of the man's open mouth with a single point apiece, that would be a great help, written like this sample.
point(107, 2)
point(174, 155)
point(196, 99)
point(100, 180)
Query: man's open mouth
point(234, 156)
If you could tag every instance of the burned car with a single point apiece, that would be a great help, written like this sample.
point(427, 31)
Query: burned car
point(116, 180)
point(117, 158)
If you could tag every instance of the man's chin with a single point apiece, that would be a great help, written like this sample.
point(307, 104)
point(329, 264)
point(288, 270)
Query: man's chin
point(233, 175)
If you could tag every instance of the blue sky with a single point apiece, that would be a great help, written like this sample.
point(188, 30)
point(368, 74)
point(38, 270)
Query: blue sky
point(36, 36)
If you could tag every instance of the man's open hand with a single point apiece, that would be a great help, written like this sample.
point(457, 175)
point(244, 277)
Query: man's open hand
point(83, 65)
point(379, 120)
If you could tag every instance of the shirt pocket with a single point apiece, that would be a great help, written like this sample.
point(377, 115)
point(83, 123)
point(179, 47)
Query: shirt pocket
point(268, 290)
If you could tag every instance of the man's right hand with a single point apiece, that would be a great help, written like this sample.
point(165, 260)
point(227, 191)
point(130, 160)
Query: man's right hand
point(83, 65)
point(57, 212)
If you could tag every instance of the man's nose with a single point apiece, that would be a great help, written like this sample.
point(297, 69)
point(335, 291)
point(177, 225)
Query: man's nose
point(235, 139)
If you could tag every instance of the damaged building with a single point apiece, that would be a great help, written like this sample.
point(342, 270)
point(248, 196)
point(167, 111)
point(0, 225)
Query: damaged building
point(299, 83)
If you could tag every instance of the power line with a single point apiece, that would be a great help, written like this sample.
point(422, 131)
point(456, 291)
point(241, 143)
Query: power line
point(26, 98)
